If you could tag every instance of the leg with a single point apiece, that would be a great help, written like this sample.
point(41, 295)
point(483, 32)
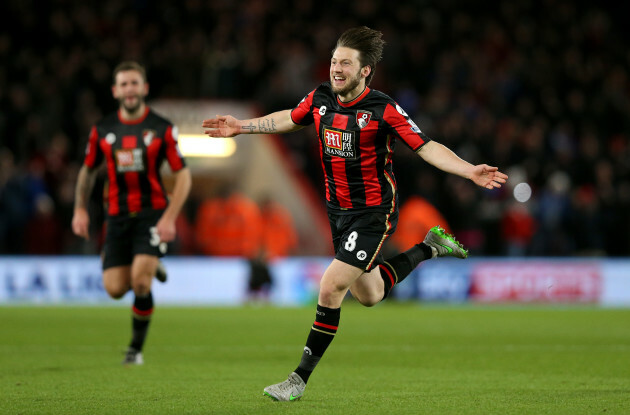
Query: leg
point(337, 279)
point(117, 281)
point(369, 288)
point(142, 271)
point(334, 285)
point(437, 243)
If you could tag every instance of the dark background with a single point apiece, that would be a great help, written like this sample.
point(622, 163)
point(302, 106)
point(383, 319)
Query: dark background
point(538, 88)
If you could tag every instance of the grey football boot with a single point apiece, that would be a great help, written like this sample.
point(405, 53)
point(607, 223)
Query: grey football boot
point(289, 390)
point(444, 244)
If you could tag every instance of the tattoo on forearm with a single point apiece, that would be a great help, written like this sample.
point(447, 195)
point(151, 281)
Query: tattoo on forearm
point(85, 183)
point(267, 125)
point(249, 128)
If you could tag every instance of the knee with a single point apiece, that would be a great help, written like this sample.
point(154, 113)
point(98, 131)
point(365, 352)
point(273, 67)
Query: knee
point(369, 300)
point(141, 286)
point(141, 283)
point(116, 289)
point(329, 293)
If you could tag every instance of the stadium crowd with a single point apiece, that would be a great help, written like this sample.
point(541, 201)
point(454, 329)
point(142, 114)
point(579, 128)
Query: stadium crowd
point(539, 89)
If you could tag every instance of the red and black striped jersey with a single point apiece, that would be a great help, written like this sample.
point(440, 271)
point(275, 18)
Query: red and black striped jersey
point(133, 152)
point(357, 140)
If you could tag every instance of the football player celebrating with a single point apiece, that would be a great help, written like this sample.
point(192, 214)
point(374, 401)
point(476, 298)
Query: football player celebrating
point(357, 128)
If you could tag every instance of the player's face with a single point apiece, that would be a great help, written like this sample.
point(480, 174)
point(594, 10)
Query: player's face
point(130, 90)
point(347, 77)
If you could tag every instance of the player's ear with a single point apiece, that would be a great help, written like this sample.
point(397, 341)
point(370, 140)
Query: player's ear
point(146, 89)
point(366, 70)
point(114, 91)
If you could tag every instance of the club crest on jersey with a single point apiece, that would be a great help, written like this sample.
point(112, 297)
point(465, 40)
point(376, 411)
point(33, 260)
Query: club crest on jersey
point(363, 118)
point(339, 143)
point(148, 136)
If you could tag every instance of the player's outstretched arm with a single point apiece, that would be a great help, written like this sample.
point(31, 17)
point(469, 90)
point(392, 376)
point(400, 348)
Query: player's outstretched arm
point(228, 126)
point(445, 159)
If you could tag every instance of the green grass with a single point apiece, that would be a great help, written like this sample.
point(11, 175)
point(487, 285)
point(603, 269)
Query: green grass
point(390, 359)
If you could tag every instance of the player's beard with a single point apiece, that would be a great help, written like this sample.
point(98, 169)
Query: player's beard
point(351, 84)
point(131, 109)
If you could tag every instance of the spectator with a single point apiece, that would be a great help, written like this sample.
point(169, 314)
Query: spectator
point(544, 85)
point(229, 225)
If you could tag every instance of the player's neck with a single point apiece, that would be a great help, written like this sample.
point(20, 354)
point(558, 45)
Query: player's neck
point(133, 115)
point(352, 95)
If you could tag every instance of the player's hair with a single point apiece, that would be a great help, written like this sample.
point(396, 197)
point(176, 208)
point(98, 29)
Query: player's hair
point(129, 66)
point(368, 42)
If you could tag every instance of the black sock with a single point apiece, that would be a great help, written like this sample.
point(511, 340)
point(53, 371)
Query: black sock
point(322, 333)
point(140, 318)
point(394, 270)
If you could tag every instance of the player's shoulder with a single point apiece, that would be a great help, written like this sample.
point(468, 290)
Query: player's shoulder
point(108, 120)
point(154, 117)
point(324, 88)
point(385, 103)
point(321, 95)
point(380, 97)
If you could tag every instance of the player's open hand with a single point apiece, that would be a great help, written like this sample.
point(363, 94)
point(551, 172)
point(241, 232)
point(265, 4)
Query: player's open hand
point(221, 126)
point(488, 176)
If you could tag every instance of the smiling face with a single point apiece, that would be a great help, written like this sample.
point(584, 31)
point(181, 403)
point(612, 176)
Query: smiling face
point(130, 91)
point(347, 77)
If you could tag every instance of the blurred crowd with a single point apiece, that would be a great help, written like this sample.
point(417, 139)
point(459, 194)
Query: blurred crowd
point(539, 89)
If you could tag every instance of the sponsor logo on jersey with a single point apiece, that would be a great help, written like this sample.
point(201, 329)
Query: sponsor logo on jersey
point(361, 255)
point(339, 143)
point(363, 118)
point(129, 160)
point(414, 127)
point(322, 110)
point(148, 136)
point(110, 138)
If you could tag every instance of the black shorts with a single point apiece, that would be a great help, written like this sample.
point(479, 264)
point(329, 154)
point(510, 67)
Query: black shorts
point(129, 235)
point(358, 237)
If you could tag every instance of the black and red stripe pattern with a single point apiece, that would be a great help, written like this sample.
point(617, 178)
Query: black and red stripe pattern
point(357, 156)
point(389, 276)
point(326, 321)
point(133, 153)
point(325, 328)
point(141, 314)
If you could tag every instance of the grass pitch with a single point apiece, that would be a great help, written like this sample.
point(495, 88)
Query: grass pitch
point(390, 359)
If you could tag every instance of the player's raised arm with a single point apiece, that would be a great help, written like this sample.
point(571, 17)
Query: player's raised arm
point(228, 126)
point(445, 159)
